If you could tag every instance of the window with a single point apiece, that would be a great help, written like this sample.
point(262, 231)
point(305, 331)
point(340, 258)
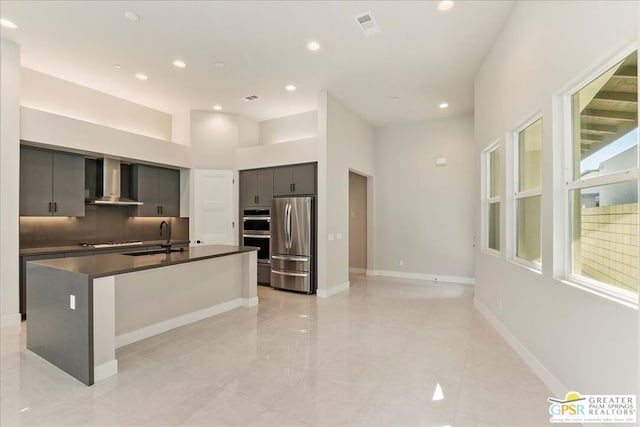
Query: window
point(603, 182)
point(492, 191)
point(528, 194)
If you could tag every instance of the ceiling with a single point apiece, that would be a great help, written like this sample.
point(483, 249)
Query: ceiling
point(422, 56)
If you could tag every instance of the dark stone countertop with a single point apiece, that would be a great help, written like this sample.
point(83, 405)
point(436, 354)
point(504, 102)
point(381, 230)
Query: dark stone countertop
point(66, 248)
point(112, 264)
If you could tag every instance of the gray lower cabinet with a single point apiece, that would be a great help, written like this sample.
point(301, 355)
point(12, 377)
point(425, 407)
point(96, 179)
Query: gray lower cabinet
point(256, 188)
point(158, 188)
point(51, 183)
point(294, 180)
point(23, 277)
point(264, 274)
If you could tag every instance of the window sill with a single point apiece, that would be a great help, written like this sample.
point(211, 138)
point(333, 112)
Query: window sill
point(492, 252)
point(528, 265)
point(626, 298)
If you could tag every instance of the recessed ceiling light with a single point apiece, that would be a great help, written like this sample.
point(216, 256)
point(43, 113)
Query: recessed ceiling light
point(313, 46)
point(219, 64)
point(179, 64)
point(117, 66)
point(290, 88)
point(131, 16)
point(444, 105)
point(141, 76)
point(8, 24)
point(217, 107)
point(445, 5)
point(395, 99)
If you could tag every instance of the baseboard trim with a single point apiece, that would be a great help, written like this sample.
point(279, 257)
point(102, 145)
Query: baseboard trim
point(105, 370)
point(250, 302)
point(326, 293)
point(11, 321)
point(421, 276)
point(546, 376)
point(176, 322)
point(357, 270)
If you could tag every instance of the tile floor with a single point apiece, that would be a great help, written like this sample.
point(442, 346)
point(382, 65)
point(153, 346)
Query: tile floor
point(384, 353)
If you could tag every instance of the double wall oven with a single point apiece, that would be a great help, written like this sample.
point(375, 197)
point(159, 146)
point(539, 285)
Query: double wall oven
point(256, 231)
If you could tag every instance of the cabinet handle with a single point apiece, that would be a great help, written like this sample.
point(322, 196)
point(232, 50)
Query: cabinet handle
point(50, 207)
point(158, 210)
point(161, 209)
point(294, 187)
point(291, 188)
point(55, 206)
point(255, 199)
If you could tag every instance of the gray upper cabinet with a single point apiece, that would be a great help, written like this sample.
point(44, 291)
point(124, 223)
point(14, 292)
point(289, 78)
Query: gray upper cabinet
point(248, 187)
point(158, 188)
point(256, 188)
point(294, 180)
point(51, 183)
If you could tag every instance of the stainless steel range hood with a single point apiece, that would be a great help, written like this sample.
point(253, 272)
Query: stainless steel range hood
point(108, 189)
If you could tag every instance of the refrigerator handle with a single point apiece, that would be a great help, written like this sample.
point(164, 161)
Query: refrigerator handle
point(287, 226)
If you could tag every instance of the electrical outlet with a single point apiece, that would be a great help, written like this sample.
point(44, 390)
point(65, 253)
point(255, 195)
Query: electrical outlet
point(72, 302)
point(401, 262)
point(500, 302)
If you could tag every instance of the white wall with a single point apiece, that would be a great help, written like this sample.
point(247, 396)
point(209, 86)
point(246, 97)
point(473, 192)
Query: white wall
point(289, 128)
point(248, 132)
point(425, 212)
point(583, 342)
point(9, 182)
point(47, 93)
point(350, 144)
point(214, 140)
point(88, 138)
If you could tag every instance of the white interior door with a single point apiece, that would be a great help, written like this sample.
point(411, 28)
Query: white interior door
point(213, 219)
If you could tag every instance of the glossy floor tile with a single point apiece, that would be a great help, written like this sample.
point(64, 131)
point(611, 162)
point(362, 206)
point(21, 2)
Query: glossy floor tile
point(384, 353)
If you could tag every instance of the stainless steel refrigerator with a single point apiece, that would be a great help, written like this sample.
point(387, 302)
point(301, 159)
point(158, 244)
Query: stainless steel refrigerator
point(292, 244)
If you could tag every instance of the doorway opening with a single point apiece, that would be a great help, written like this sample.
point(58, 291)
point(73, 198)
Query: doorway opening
point(358, 218)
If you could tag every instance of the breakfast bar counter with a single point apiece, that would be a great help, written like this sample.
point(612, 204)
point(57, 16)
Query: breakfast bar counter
point(81, 309)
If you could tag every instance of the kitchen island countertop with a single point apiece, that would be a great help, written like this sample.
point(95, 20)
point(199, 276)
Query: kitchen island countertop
point(112, 264)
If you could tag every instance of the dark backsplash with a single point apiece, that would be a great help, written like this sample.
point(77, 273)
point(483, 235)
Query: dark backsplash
point(100, 224)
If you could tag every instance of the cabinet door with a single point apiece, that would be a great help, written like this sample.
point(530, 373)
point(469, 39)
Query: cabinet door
point(304, 179)
point(36, 186)
point(169, 192)
point(68, 185)
point(282, 181)
point(248, 188)
point(265, 187)
point(144, 188)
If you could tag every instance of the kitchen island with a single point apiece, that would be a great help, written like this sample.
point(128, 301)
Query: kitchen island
point(81, 309)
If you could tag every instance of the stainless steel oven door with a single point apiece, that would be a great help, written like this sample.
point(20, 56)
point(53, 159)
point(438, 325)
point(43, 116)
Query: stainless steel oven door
point(261, 241)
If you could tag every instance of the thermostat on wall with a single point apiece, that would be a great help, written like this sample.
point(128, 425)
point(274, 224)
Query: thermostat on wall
point(441, 161)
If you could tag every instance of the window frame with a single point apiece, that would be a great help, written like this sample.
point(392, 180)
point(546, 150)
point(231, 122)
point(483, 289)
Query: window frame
point(488, 200)
point(565, 134)
point(516, 195)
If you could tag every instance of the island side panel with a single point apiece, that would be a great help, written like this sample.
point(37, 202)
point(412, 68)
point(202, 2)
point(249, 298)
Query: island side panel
point(56, 332)
point(250, 279)
point(153, 301)
point(104, 328)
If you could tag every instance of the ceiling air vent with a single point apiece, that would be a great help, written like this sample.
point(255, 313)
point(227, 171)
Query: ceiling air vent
point(250, 98)
point(368, 24)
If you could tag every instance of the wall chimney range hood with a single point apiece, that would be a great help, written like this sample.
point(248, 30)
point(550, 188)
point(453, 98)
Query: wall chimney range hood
point(108, 185)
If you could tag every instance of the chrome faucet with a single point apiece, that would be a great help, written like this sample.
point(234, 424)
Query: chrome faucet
point(167, 245)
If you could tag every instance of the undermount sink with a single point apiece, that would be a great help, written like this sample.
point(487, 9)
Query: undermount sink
point(155, 252)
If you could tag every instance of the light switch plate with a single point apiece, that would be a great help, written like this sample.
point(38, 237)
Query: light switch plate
point(338, 236)
point(332, 236)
